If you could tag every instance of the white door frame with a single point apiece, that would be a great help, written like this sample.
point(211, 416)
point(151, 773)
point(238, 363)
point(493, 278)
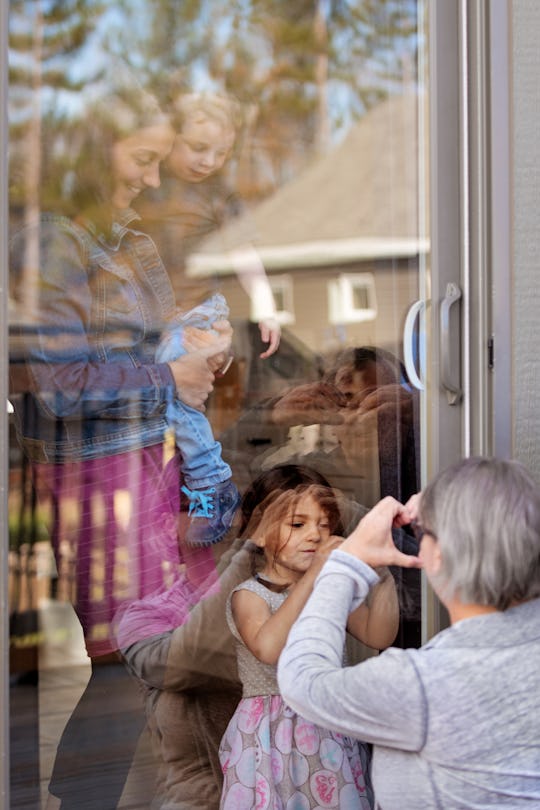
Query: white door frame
point(470, 235)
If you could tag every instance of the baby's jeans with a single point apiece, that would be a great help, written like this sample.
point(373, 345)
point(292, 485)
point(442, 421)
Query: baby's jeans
point(202, 465)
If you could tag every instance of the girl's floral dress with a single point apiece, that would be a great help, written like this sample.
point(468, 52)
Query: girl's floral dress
point(273, 759)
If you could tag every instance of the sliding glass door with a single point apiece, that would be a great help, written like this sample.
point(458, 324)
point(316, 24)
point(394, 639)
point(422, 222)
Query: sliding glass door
point(318, 180)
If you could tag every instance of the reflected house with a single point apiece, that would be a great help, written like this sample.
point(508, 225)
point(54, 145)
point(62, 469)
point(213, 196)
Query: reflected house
point(341, 242)
point(341, 246)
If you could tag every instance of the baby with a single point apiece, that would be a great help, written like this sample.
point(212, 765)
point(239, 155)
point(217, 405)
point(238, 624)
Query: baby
point(193, 201)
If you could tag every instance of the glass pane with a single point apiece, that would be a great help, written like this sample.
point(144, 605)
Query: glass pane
point(174, 165)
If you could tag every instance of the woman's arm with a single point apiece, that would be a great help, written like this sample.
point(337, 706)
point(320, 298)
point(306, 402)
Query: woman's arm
point(380, 700)
point(69, 373)
point(184, 657)
point(309, 404)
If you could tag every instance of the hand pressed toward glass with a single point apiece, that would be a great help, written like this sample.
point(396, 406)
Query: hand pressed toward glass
point(322, 553)
point(372, 540)
point(311, 403)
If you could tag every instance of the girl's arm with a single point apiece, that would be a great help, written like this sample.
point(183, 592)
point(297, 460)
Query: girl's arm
point(376, 622)
point(264, 633)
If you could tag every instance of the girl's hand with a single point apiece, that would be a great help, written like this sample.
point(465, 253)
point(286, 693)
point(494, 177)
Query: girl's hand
point(265, 633)
point(324, 550)
point(271, 334)
point(372, 541)
point(320, 556)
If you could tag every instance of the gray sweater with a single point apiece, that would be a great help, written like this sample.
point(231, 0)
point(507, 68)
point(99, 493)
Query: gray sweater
point(455, 724)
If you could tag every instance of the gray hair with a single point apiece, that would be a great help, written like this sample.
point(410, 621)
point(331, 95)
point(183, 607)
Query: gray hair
point(485, 515)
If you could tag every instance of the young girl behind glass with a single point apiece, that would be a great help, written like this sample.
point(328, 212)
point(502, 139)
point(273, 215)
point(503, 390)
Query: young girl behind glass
point(270, 756)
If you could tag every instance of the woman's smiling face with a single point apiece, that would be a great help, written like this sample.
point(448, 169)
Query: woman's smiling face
point(135, 162)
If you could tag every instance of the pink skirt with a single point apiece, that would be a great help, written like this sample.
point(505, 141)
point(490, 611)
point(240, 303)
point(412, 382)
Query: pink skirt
point(273, 759)
point(113, 524)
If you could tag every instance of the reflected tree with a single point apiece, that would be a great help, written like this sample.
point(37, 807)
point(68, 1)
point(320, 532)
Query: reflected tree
point(45, 38)
point(302, 69)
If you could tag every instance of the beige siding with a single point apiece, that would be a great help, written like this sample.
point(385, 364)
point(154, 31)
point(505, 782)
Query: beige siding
point(526, 303)
point(396, 289)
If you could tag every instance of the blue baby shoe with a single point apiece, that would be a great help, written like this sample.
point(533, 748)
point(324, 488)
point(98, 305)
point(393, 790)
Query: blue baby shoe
point(210, 512)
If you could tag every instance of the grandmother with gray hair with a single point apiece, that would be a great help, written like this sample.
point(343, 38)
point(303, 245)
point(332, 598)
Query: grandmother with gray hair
point(455, 724)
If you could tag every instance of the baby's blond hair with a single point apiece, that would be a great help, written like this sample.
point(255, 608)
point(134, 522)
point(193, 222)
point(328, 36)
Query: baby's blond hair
point(222, 109)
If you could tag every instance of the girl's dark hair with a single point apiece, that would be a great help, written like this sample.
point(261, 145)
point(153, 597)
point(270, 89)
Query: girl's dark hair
point(276, 509)
point(275, 490)
point(270, 484)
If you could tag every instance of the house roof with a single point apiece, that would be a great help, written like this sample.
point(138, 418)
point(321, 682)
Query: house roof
point(360, 200)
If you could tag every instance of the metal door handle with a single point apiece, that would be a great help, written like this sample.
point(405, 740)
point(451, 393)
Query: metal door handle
point(453, 295)
point(408, 337)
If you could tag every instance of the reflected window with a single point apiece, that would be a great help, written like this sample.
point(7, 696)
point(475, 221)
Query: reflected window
point(352, 299)
point(282, 293)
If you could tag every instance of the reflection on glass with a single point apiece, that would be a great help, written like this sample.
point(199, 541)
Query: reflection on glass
point(174, 166)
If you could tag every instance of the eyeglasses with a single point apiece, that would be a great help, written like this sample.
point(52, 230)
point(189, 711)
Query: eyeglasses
point(419, 531)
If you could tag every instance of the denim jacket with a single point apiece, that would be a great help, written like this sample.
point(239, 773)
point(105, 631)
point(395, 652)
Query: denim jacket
point(95, 388)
